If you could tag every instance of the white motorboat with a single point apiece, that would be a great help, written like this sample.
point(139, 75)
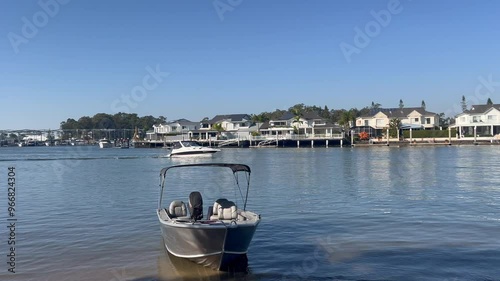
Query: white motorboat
point(191, 148)
point(105, 143)
point(221, 238)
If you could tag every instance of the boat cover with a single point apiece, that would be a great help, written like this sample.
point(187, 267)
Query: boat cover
point(196, 205)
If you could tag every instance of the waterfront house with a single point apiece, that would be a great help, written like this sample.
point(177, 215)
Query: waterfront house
point(178, 126)
point(172, 128)
point(234, 126)
point(307, 125)
point(484, 119)
point(410, 117)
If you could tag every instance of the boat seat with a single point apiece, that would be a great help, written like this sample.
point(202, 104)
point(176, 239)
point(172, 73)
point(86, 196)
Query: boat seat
point(214, 214)
point(224, 210)
point(177, 209)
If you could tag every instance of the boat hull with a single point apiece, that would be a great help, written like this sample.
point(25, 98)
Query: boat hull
point(214, 245)
point(193, 153)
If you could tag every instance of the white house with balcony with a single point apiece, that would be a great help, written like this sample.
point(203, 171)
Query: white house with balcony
point(411, 117)
point(172, 128)
point(480, 120)
point(308, 125)
point(234, 126)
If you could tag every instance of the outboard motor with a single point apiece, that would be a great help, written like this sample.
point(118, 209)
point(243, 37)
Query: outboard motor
point(196, 205)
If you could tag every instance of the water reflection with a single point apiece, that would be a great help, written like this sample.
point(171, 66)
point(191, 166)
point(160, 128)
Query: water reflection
point(173, 268)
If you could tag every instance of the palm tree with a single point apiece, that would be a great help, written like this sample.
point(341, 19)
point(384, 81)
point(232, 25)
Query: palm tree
point(394, 125)
point(296, 120)
point(218, 127)
point(297, 112)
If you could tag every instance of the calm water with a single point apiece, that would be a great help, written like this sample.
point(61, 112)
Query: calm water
point(327, 214)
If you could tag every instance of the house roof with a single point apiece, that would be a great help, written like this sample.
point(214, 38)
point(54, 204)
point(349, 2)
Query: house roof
point(286, 116)
point(184, 122)
point(232, 117)
point(398, 112)
point(264, 125)
point(481, 108)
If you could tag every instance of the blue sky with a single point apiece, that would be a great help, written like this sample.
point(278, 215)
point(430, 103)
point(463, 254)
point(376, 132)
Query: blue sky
point(87, 57)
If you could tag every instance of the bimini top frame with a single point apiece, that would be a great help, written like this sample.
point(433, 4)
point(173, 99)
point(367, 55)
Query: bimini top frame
point(234, 167)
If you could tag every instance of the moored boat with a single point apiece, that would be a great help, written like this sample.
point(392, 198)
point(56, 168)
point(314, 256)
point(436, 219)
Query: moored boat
point(217, 240)
point(104, 143)
point(191, 148)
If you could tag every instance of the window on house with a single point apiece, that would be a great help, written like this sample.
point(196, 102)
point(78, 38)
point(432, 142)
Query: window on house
point(475, 119)
point(367, 123)
point(427, 120)
point(318, 122)
point(492, 118)
point(416, 119)
point(380, 122)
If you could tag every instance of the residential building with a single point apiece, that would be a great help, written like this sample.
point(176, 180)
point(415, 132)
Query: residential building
point(234, 126)
point(410, 117)
point(308, 125)
point(485, 119)
point(172, 128)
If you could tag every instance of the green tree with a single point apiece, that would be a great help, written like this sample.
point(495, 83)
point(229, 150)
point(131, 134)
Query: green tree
point(463, 103)
point(375, 105)
point(444, 121)
point(50, 136)
point(489, 102)
point(401, 104)
point(298, 109)
point(423, 104)
point(85, 122)
point(325, 113)
point(346, 117)
point(69, 128)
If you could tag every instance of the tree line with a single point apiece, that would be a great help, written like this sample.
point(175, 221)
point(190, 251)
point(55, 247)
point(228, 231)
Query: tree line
point(119, 125)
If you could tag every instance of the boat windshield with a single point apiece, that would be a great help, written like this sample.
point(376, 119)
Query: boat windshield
point(189, 143)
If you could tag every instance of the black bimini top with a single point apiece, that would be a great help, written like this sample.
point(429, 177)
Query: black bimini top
point(234, 167)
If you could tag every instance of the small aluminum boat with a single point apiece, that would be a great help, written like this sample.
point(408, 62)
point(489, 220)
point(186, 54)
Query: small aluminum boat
point(220, 238)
